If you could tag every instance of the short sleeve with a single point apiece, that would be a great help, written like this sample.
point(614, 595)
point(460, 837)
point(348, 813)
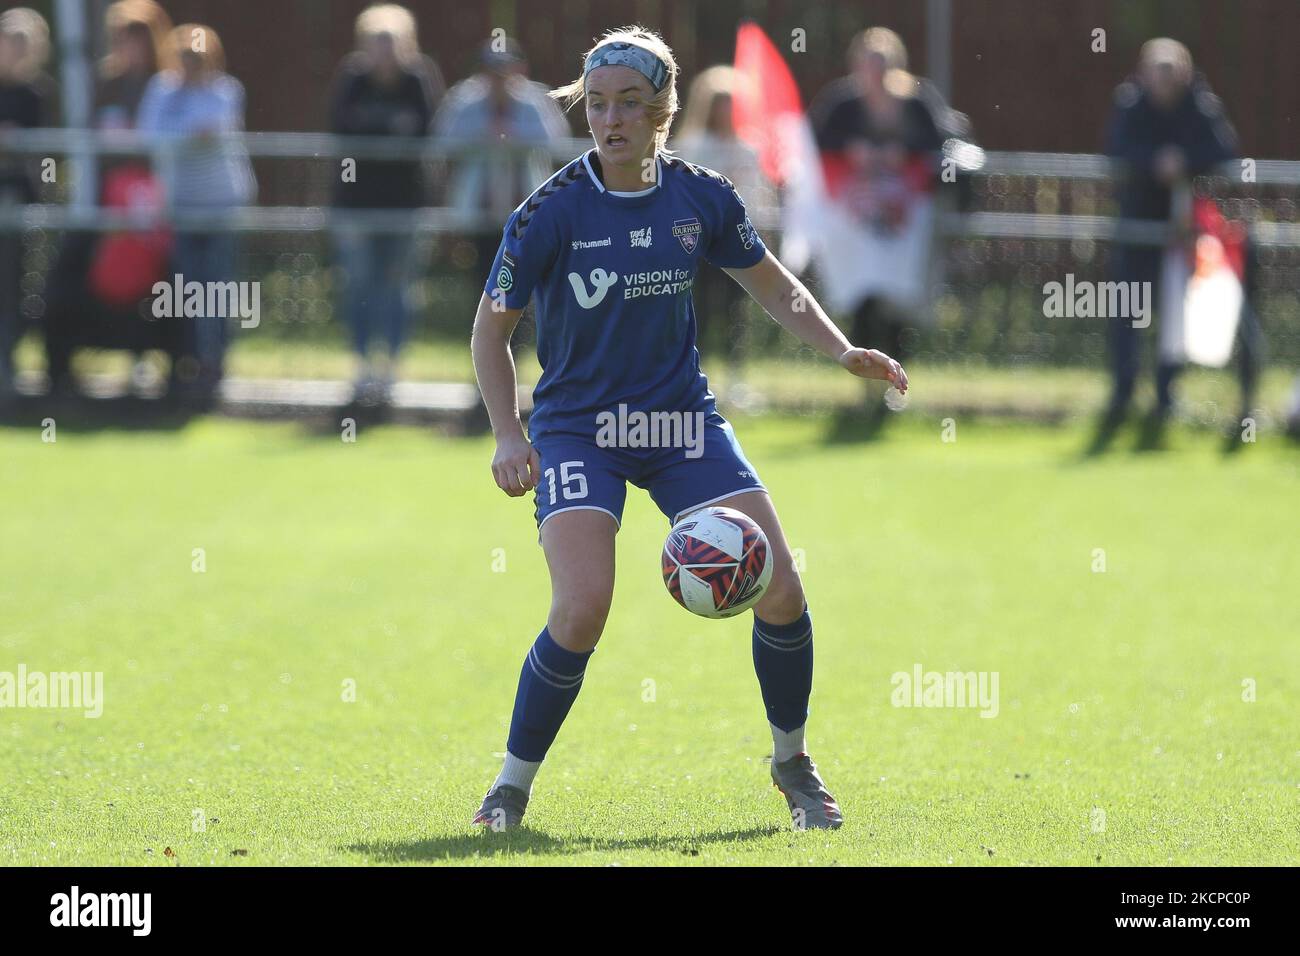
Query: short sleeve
point(734, 243)
point(527, 250)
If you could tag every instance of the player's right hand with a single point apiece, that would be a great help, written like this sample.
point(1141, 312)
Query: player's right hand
point(516, 466)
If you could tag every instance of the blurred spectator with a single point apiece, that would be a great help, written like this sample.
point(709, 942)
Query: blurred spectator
point(1293, 410)
point(1166, 127)
point(138, 47)
point(707, 136)
point(190, 111)
point(383, 88)
point(26, 100)
point(98, 279)
point(493, 118)
point(880, 131)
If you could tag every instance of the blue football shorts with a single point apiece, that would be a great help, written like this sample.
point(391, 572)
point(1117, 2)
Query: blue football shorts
point(578, 472)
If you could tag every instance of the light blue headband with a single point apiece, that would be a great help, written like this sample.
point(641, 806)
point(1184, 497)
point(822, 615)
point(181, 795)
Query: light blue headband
point(629, 54)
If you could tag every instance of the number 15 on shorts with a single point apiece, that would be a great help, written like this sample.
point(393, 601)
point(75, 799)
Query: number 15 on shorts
point(568, 474)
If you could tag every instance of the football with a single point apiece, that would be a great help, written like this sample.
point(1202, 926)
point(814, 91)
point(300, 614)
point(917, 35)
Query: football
point(717, 562)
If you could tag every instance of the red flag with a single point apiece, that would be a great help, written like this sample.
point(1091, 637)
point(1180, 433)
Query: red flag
point(767, 113)
point(765, 101)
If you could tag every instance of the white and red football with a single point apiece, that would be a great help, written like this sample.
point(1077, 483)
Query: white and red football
point(717, 562)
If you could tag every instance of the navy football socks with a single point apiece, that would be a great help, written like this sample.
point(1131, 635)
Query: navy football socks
point(783, 661)
point(552, 676)
point(548, 686)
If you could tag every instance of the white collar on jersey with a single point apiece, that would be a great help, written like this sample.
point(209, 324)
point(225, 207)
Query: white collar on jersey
point(659, 177)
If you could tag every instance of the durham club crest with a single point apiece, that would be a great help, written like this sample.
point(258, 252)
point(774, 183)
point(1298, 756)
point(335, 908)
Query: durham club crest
point(687, 232)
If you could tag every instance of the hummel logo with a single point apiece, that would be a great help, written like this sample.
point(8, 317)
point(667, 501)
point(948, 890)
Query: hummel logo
point(592, 243)
point(600, 281)
point(640, 238)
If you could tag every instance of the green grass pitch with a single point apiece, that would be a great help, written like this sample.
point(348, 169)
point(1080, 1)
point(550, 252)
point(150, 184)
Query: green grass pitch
point(1126, 731)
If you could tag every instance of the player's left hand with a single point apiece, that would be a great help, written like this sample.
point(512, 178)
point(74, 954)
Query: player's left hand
point(872, 363)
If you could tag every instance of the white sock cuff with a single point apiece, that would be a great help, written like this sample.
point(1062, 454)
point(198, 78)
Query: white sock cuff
point(786, 744)
point(518, 773)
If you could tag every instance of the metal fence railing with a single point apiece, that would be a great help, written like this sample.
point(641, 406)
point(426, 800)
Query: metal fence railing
point(1029, 218)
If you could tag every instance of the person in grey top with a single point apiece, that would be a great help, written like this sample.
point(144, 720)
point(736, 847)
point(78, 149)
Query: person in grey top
point(189, 109)
point(188, 114)
point(490, 121)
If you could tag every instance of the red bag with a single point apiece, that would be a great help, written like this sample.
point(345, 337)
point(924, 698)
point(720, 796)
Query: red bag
point(127, 264)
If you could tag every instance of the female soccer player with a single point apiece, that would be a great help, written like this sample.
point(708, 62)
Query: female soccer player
point(610, 245)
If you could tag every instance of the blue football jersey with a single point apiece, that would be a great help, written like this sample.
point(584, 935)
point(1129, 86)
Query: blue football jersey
point(612, 275)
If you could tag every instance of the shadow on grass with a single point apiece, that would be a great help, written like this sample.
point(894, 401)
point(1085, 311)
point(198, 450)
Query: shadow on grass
point(1231, 443)
point(855, 424)
point(1152, 433)
point(328, 422)
point(76, 414)
point(525, 842)
point(1104, 432)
